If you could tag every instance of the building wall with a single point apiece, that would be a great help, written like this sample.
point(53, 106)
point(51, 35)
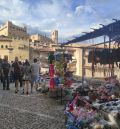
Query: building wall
point(5, 43)
point(78, 56)
point(4, 53)
point(40, 39)
point(4, 30)
point(18, 49)
point(11, 30)
point(19, 41)
point(35, 37)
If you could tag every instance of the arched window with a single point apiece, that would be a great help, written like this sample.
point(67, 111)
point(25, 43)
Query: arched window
point(1, 46)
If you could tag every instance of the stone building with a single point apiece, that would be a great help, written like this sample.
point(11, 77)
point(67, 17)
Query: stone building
point(12, 30)
point(5, 46)
point(12, 48)
point(38, 39)
point(14, 41)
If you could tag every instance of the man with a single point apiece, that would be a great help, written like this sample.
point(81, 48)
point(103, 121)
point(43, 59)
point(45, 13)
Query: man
point(0, 70)
point(5, 73)
point(35, 71)
point(17, 73)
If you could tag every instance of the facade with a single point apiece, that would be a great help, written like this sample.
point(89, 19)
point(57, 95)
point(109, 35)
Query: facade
point(12, 48)
point(5, 46)
point(11, 30)
point(14, 41)
point(20, 49)
point(54, 36)
point(40, 39)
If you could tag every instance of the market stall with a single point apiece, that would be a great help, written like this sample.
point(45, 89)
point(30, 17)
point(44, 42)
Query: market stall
point(60, 76)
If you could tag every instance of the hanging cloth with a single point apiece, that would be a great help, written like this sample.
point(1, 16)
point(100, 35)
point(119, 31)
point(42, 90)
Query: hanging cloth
point(52, 83)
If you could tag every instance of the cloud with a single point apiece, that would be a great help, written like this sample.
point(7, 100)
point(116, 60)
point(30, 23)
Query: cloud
point(79, 9)
point(70, 17)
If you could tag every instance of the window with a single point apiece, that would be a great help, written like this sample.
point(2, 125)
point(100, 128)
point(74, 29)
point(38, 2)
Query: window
point(1, 46)
point(6, 46)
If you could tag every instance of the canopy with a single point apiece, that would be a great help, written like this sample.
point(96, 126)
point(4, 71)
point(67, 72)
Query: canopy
point(112, 30)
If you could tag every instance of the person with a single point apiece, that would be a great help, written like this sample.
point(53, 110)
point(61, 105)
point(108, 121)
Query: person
point(17, 73)
point(5, 73)
point(11, 72)
point(21, 73)
point(0, 70)
point(35, 71)
point(26, 76)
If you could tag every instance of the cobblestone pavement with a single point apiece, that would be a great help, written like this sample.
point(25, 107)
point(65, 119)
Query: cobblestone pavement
point(34, 111)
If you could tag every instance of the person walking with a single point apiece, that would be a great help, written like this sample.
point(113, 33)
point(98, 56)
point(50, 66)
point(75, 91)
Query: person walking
point(21, 73)
point(0, 71)
point(17, 73)
point(35, 71)
point(5, 73)
point(26, 76)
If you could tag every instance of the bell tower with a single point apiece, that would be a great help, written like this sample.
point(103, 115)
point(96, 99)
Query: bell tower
point(54, 36)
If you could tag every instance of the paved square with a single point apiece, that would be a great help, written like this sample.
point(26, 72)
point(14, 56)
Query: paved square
point(34, 111)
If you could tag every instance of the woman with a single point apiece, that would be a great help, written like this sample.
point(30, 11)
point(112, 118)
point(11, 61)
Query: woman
point(26, 77)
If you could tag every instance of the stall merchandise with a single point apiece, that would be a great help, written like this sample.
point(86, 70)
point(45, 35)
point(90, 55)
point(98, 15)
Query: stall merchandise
point(60, 77)
point(94, 107)
point(104, 56)
point(82, 114)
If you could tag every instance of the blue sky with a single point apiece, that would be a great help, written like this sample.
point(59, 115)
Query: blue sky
point(69, 17)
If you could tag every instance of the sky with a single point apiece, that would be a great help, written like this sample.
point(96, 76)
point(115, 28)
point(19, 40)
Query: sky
point(69, 17)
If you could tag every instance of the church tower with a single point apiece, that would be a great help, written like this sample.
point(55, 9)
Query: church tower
point(54, 36)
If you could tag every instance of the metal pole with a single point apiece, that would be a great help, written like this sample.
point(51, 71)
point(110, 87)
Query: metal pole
point(29, 50)
point(83, 69)
point(109, 55)
point(104, 47)
point(93, 69)
point(104, 40)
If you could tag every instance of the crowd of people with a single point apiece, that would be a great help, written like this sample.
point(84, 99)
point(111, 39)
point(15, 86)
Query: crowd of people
point(23, 74)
